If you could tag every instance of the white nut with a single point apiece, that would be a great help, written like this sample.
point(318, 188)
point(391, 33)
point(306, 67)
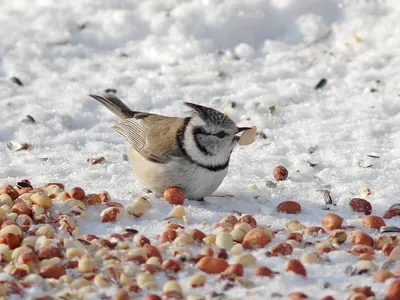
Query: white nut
point(5, 253)
point(75, 252)
point(245, 259)
point(310, 257)
point(295, 244)
point(75, 202)
point(238, 234)
point(12, 216)
point(138, 251)
point(26, 198)
point(80, 282)
point(132, 270)
point(35, 279)
point(42, 200)
point(37, 210)
point(210, 239)
point(86, 264)
point(63, 196)
point(17, 252)
point(144, 201)
point(146, 281)
point(178, 212)
point(224, 240)
point(5, 210)
point(101, 281)
point(50, 261)
point(184, 239)
point(246, 227)
point(5, 199)
point(41, 241)
point(198, 279)
point(47, 230)
point(154, 261)
point(137, 209)
point(11, 229)
point(295, 226)
point(172, 286)
point(29, 240)
point(237, 249)
point(53, 189)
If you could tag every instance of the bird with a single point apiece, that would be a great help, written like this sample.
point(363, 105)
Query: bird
point(190, 153)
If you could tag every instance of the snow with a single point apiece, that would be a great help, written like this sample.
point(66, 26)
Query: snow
point(257, 54)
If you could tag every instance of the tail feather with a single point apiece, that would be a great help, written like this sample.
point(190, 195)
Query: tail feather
point(115, 105)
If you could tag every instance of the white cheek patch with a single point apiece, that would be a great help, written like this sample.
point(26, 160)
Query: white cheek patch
point(248, 136)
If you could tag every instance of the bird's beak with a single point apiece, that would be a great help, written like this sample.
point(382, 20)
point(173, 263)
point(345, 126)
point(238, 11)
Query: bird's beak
point(240, 129)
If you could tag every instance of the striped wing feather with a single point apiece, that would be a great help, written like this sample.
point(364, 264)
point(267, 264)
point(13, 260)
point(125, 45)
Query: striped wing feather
point(153, 136)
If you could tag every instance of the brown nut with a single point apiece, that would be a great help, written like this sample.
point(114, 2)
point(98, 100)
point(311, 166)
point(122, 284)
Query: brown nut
point(289, 207)
point(212, 265)
point(374, 222)
point(21, 209)
point(234, 269)
point(257, 238)
point(52, 271)
point(295, 266)
point(332, 221)
point(198, 235)
point(169, 235)
point(393, 291)
point(92, 199)
point(249, 220)
point(174, 195)
point(362, 238)
point(280, 173)
point(263, 271)
point(10, 191)
point(283, 249)
point(360, 205)
point(77, 193)
point(382, 276)
point(172, 265)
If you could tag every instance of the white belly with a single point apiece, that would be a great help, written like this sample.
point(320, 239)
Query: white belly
point(195, 181)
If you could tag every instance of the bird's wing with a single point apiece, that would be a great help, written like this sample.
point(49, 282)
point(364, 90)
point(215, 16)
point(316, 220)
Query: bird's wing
point(153, 136)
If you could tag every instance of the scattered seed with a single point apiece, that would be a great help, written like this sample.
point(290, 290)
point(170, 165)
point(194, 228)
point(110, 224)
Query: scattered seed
point(270, 184)
point(312, 165)
point(261, 134)
point(321, 84)
point(222, 74)
point(361, 165)
point(312, 149)
point(327, 197)
point(388, 229)
point(28, 119)
point(17, 81)
point(97, 160)
point(372, 90)
point(83, 25)
point(373, 156)
point(271, 110)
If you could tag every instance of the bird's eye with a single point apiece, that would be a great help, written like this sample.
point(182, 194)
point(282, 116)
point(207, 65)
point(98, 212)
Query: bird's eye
point(220, 134)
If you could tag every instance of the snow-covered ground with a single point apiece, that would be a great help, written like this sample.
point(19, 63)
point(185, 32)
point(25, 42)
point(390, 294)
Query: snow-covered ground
point(266, 56)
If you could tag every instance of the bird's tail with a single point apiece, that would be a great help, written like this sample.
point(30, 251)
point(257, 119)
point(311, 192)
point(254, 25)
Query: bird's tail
point(115, 105)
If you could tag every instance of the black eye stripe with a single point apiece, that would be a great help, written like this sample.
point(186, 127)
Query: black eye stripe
point(201, 130)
